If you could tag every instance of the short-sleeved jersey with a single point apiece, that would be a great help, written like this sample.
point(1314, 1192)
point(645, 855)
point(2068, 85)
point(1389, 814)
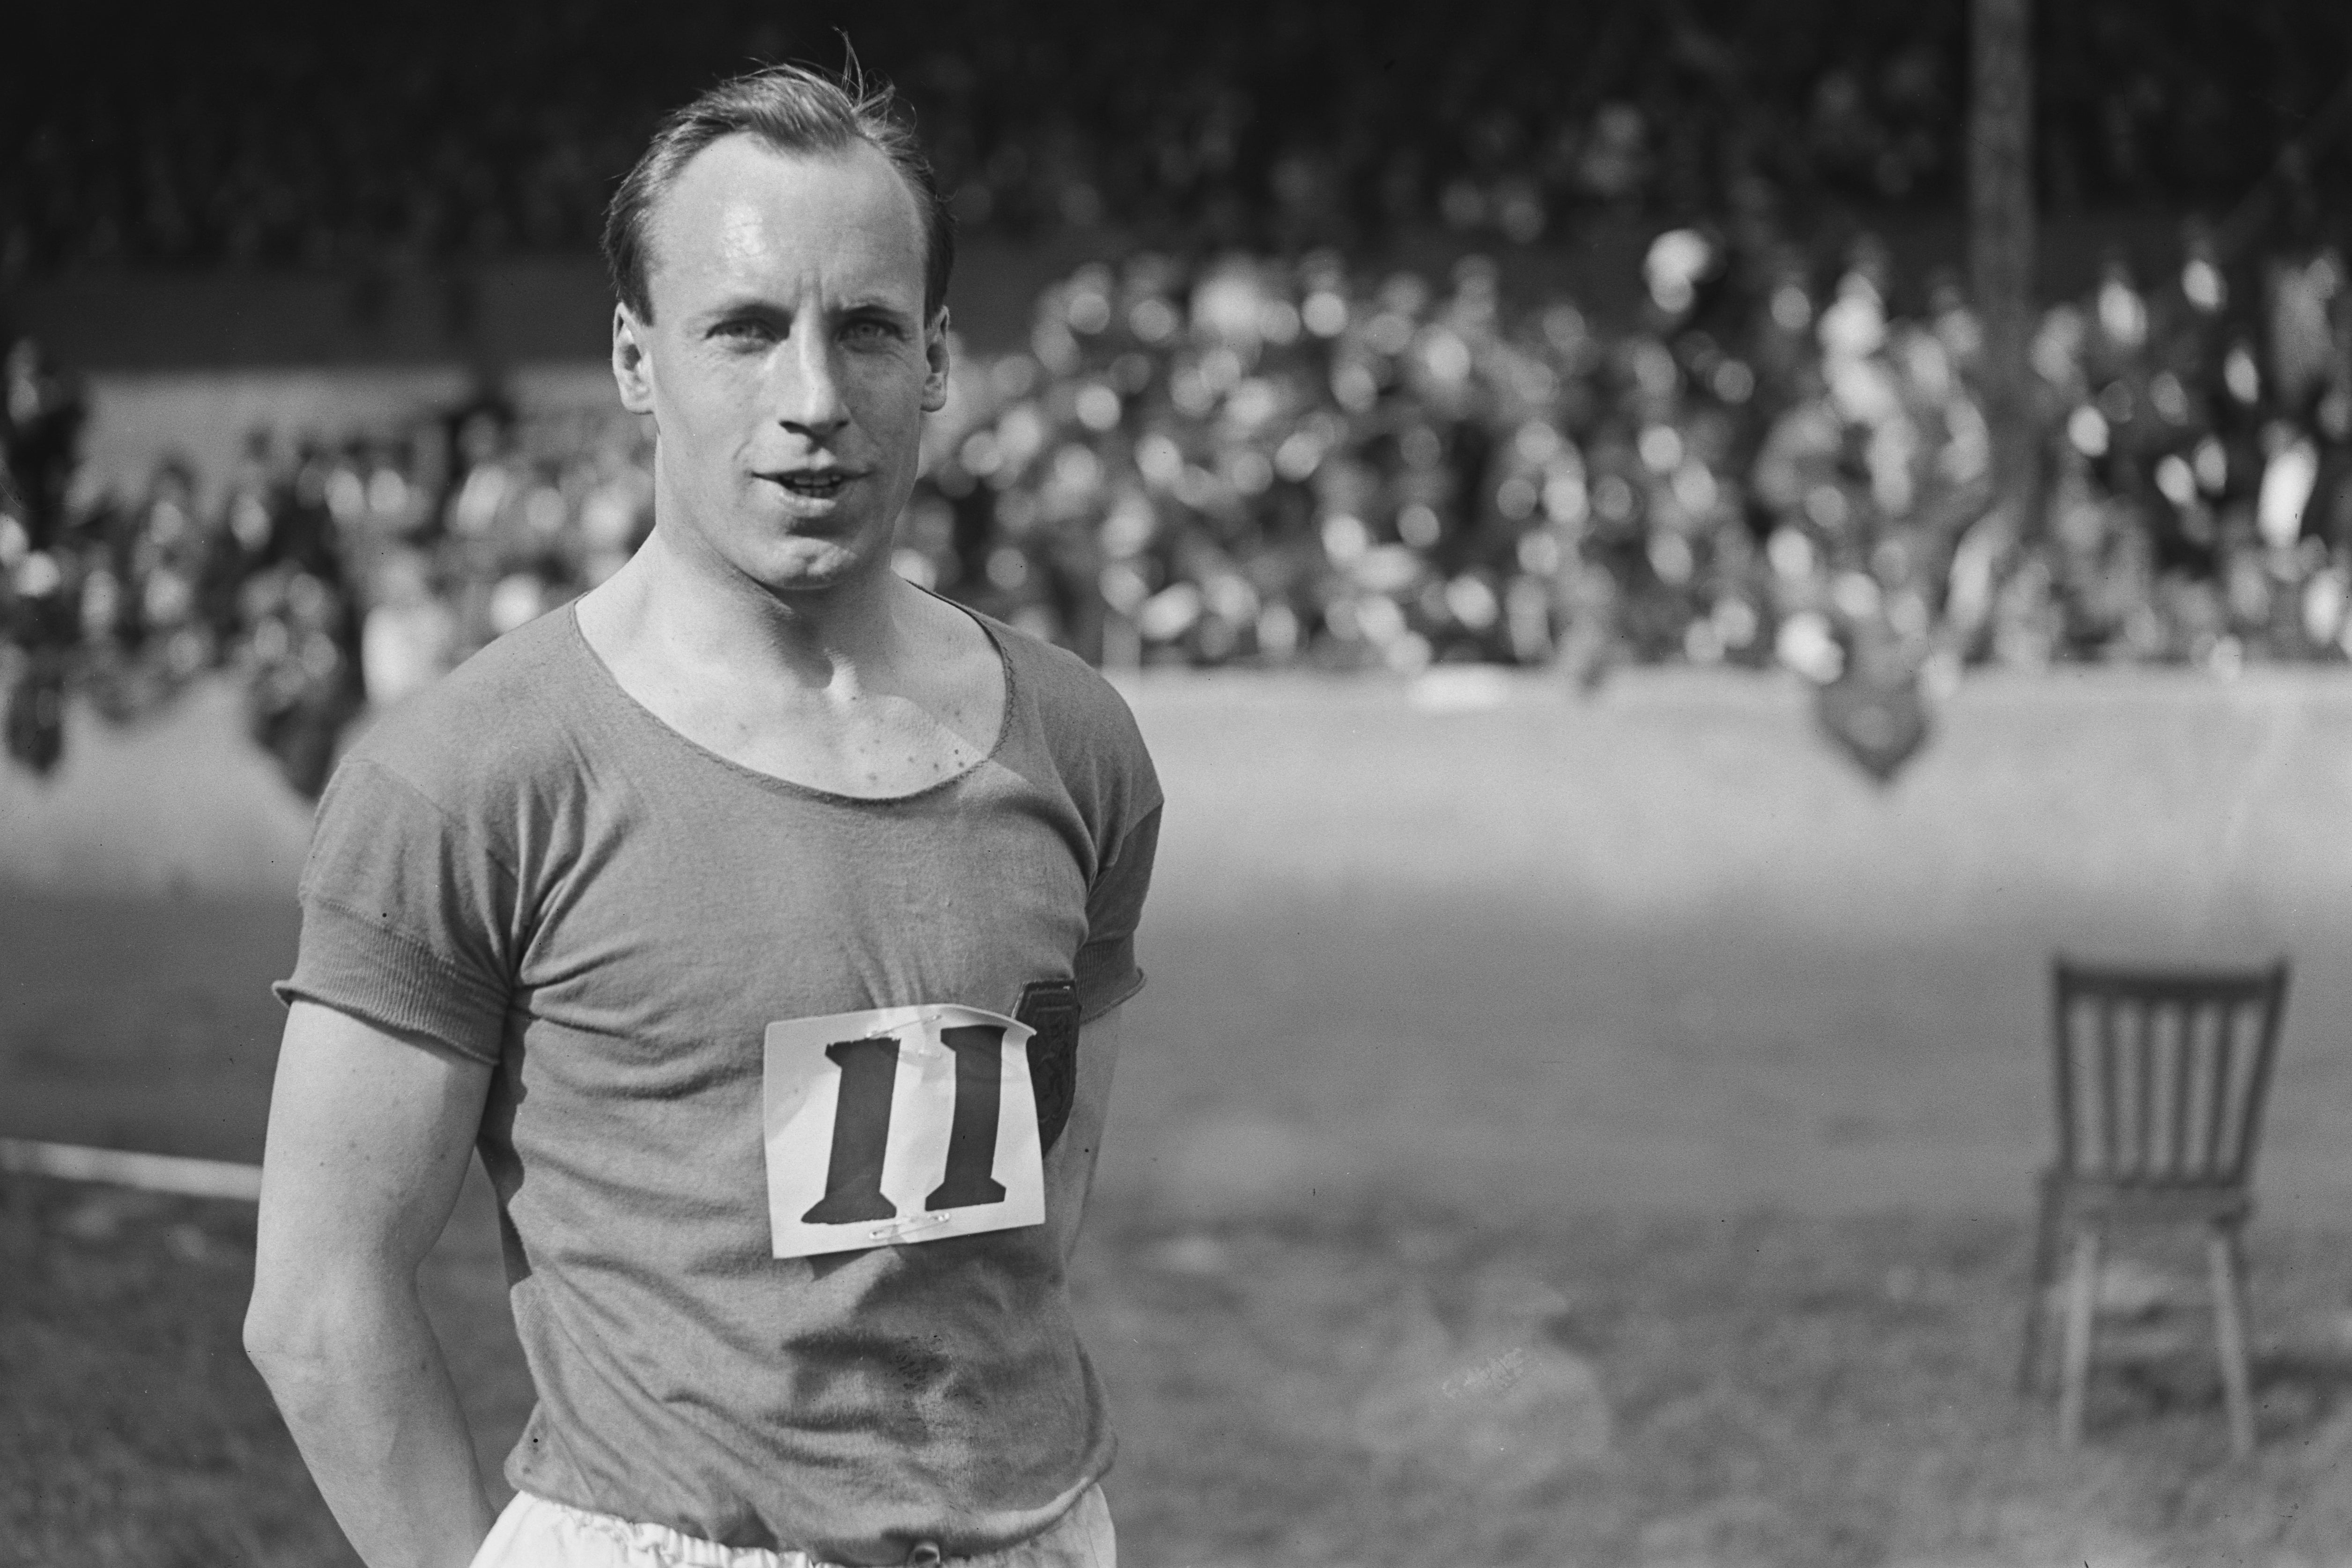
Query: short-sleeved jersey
point(526, 865)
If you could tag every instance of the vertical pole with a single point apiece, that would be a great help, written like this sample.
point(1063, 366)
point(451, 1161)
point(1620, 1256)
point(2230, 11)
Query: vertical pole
point(2001, 242)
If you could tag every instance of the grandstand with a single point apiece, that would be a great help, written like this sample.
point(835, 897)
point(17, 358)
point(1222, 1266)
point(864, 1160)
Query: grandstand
point(1640, 349)
point(1274, 460)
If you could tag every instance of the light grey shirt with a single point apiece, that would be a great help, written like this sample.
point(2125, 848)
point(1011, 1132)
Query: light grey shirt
point(524, 863)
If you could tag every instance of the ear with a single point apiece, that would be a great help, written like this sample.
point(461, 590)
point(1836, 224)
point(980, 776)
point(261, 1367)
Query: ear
point(632, 367)
point(935, 356)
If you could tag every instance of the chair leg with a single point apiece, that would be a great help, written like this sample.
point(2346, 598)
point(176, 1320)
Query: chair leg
point(2045, 1269)
point(2081, 1305)
point(2230, 1337)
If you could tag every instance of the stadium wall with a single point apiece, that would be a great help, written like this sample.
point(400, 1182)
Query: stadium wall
point(138, 418)
point(2162, 806)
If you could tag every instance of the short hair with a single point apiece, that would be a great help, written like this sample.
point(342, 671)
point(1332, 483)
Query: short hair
point(792, 108)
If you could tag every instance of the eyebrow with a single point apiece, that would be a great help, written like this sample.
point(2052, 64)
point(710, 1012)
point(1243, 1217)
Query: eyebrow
point(758, 304)
point(874, 305)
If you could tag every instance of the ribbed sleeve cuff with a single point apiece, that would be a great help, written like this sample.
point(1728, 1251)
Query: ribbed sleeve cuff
point(1106, 977)
point(377, 974)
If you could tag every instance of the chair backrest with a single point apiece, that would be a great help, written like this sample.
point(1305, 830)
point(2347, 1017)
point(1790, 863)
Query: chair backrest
point(2161, 1074)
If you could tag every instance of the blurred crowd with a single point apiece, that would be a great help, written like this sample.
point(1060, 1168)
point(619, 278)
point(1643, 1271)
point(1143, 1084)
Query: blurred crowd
point(322, 576)
point(430, 133)
point(1275, 462)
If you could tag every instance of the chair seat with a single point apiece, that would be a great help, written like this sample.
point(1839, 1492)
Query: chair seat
point(2144, 1199)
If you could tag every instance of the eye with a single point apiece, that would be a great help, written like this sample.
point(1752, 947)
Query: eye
point(745, 331)
point(872, 330)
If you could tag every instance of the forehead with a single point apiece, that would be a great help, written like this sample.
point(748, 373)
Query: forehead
point(744, 216)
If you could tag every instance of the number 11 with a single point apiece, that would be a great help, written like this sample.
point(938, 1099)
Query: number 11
point(861, 1126)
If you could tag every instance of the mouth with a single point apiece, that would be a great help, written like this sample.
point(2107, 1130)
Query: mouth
point(811, 484)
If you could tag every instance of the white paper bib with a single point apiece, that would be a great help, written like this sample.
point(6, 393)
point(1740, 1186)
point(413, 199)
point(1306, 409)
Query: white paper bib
point(899, 1125)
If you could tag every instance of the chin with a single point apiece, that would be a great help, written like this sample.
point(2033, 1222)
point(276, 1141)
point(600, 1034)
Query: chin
point(811, 566)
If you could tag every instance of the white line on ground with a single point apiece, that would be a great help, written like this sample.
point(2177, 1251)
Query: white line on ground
point(122, 1167)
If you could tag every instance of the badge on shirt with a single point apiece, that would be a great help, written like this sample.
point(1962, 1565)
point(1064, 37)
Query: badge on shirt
point(899, 1125)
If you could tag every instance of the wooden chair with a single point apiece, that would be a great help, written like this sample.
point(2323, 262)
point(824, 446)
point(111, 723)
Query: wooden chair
point(2161, 1075)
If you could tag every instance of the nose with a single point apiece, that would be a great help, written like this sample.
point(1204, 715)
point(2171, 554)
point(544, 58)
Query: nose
point(808, 390)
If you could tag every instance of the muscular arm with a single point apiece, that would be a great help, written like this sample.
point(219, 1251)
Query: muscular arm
point(369, 1136)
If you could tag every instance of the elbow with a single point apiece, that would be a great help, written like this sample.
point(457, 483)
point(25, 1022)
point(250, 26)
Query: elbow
point(289, 1334)
point(310, 1326)
point(272, 1332)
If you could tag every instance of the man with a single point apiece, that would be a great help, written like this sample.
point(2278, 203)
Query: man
point(746, 917)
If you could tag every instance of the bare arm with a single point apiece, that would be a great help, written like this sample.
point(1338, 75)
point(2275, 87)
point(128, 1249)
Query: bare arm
point(369, 1136)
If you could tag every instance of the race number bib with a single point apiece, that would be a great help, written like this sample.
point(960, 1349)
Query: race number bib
point(899, 1125)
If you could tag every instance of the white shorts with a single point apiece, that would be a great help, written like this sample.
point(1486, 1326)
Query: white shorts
point(534, 1533)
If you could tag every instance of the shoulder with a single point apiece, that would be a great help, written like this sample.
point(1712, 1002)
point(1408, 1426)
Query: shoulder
point(1062, 687)
point(504, 717)
point(1070, 698)
point(1065, 721)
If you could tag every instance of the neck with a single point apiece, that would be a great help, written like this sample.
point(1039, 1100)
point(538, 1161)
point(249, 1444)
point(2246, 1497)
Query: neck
point(706, 615)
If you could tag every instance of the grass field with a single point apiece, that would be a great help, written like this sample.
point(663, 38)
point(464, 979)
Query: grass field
point(1365, 1384)
point(1717, 1276)
point(1591, 1134)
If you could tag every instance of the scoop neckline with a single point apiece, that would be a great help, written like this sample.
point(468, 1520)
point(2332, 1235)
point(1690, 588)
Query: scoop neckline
point(776, 781)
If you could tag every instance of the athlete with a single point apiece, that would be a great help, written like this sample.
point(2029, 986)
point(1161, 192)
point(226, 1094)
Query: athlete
point(764, 922)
